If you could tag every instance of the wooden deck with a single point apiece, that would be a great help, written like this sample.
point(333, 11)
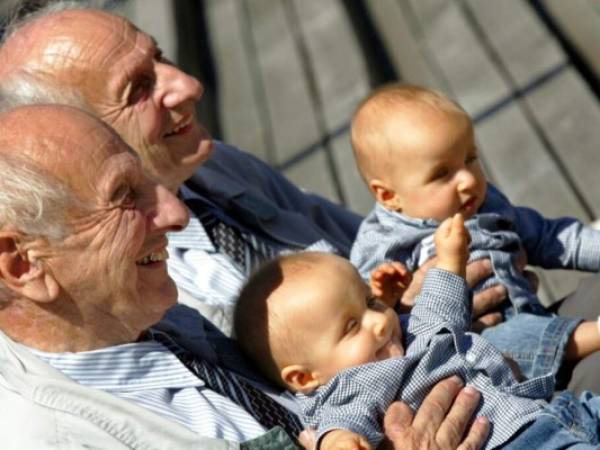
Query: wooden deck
point(283, 77)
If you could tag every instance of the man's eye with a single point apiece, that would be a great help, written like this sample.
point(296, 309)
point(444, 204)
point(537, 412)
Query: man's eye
point(124, 195)
point(141, 89)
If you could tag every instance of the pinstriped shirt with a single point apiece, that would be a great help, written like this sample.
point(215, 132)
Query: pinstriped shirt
point(150, 375)
point(437, 346)
point(211, 278)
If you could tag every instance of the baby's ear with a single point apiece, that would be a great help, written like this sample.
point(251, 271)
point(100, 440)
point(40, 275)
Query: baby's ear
point(299, 378)
point(385, 195)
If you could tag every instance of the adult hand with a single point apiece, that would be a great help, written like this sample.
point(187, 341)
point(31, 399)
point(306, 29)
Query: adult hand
point(484, 302)
point(441, 423)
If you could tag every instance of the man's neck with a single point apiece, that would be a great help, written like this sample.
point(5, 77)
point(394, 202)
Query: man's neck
point(45, 330)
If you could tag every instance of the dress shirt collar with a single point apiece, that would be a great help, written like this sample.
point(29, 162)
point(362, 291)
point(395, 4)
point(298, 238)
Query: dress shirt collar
point(135, 366)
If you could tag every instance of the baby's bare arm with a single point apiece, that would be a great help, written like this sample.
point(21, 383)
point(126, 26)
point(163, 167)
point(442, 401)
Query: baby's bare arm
point(452, 245)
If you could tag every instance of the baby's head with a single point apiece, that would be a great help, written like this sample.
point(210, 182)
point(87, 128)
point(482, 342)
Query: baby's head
point(416, 150)
point(304, 317)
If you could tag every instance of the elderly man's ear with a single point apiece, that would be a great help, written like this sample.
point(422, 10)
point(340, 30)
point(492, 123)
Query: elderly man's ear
point(22, 273)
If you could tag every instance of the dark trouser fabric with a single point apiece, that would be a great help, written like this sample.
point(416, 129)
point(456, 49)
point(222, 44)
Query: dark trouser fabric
point(585, 303)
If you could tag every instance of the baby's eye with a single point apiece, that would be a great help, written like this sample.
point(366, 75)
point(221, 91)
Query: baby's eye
point(441, 173)
point(351, 326)
point(471, 159)
point(371, 301)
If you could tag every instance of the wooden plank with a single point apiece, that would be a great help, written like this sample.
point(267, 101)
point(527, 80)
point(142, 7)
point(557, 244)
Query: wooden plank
point(311, 173)
point(336, 59)
point(569, 114)
point(521, 41)
point(240, 112)
point(579, 20)
point(290, 112)
point(157, 18)
point(519, 164)
point(404, 48)
point(472, 77)
point(357, 195)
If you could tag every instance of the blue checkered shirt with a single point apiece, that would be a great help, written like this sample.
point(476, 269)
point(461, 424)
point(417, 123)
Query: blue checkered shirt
point(437, 346)
point(499, 231)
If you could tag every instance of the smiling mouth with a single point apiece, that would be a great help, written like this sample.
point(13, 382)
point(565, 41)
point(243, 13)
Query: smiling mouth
point(181, 128)
point(154, 257)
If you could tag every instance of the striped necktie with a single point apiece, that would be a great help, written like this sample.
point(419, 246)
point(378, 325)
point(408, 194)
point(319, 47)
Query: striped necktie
point(246, 250)
point(263, 408)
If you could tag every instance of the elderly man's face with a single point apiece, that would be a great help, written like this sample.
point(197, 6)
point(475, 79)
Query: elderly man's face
point(122, 75)
point(112, 263)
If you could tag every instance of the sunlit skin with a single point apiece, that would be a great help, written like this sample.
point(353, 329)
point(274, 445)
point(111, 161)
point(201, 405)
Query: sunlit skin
point(124, 79)
point(432, 169)
point(346, 326)
point(104, 294)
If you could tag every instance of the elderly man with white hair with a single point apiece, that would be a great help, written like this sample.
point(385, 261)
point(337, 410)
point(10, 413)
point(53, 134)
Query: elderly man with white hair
point(83, 233)
point(242, 212)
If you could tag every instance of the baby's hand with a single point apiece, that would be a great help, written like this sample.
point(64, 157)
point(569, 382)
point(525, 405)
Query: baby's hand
point(452, 245)
point(344, 440)
point(389, 281)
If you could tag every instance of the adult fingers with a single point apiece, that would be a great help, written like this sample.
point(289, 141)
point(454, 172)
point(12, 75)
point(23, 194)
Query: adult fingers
point(398, 417)
point(478, 271)
point(413, 289)
point(487, 300)
point(434, 408)
point(477, 435)
point(533, 279)
point(486, 321)
point(452, 429)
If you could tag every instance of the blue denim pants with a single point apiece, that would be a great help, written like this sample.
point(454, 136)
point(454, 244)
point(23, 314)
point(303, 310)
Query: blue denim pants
point(567, 422)
point(536, 342)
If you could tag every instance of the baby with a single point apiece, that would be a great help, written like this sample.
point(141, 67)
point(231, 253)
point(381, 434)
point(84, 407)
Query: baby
point(416, 150)
point(312, 325)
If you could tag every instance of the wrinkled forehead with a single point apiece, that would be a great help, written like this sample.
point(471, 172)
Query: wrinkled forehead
point(69, 143)
point(87, 40)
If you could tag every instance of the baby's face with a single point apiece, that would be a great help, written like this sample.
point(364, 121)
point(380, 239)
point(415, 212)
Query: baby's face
point(436, 171)
point(342, 324)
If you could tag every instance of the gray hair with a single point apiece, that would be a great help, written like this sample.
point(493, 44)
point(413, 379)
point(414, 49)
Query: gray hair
point(32, 200)
point(21, 88)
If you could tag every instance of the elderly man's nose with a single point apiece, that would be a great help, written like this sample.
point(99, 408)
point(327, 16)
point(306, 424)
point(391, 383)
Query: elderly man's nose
point(176, 87)
point(169, 213)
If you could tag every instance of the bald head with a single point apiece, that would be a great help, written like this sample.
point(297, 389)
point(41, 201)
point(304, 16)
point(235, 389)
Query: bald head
point(58, 48)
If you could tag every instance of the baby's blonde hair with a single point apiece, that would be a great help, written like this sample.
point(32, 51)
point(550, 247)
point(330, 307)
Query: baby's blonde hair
point(369, 122)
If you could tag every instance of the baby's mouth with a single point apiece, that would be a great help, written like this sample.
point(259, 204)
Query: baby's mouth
point(390, 349)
